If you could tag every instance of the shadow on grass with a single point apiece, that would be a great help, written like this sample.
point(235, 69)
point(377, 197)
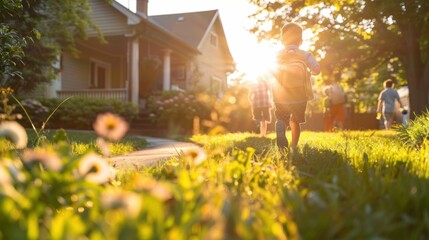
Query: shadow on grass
point(260, 144)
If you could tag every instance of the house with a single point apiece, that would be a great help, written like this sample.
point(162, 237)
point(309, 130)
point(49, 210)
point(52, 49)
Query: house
point(144, 55)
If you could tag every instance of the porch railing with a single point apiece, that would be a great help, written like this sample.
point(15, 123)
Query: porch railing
point(114, 93)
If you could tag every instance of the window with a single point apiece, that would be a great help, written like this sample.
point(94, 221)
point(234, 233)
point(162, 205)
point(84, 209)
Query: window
point(180, 72)
point(100, 74)
point(213, 39)
point(216, 86)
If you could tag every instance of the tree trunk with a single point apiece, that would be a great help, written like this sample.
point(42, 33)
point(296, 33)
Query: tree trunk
point(417, 76)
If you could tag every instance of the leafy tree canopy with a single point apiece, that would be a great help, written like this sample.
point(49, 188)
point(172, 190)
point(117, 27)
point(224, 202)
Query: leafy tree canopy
point(33, 33)
point(366, 41)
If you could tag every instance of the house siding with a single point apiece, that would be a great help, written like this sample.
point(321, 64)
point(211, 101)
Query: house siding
point(76, 72)
point(211, 62)
point(108, 20)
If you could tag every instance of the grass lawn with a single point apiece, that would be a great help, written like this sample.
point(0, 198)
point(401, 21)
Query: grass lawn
point(343, 185)
point(81, 141)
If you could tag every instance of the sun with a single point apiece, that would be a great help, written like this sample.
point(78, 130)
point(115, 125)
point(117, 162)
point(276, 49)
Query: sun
point(257, 60)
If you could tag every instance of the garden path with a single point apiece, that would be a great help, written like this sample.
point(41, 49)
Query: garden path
point(159, 149)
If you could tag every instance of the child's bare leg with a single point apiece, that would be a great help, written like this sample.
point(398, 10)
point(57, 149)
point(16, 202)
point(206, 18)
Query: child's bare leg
point(263, 128)
point(295, 129)
point(281, 139)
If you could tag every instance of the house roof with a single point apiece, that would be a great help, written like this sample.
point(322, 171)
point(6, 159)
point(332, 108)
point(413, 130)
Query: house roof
point(142, 19)
point(191, 27)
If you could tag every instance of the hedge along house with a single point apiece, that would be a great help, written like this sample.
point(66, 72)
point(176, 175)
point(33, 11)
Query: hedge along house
point(145, 55)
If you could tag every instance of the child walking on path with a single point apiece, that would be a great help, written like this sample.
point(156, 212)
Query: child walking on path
point(291, 91)
point(386, 103)
point(260, 99)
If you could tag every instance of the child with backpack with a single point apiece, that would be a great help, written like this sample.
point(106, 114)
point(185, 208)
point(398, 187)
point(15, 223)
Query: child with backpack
point(292, 88)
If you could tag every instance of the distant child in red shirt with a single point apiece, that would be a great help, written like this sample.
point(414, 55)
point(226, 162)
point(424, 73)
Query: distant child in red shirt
point(260, 99)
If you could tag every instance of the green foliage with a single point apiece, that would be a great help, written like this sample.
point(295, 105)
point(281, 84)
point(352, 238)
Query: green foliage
point(416, 134)
point(80, 113)
point(357, 42)
point(83, 141)
point(230, 113)
point(356, 185)
point(34, 33)
point(344, 185)
point(178, 108)
point(11, 51)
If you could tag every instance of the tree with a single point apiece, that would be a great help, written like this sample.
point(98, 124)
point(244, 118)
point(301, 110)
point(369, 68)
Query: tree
point(11, 44)
point(363, 37)
point(37, 31)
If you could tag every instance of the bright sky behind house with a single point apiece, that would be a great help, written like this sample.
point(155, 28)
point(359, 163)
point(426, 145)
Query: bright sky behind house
point(251, 57)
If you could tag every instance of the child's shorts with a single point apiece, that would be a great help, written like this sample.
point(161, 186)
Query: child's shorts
point(291, 112)
point(262, 114)
point(388, 116)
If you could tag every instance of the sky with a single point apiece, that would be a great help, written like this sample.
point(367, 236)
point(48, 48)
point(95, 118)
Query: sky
point(250, 56)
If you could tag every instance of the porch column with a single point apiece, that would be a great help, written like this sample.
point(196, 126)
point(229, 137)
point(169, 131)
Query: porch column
point(167, 70)
point(135, 71)
point(55, 85)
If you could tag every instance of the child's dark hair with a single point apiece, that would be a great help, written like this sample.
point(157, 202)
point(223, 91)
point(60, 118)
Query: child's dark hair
point(291, 34)
point(388, 83)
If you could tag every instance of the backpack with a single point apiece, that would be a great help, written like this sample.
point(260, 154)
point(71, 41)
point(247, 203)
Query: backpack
point(292, 83)
point(337, 95)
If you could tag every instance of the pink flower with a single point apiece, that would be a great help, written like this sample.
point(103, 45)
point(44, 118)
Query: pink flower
point(110, 126)
point(48, 158)
point(127, 201)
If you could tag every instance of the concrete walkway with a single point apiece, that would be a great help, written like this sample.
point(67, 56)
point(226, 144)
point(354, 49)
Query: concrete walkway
point(159, 149)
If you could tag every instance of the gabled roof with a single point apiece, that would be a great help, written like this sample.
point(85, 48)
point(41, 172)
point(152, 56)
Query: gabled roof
point(190, 27)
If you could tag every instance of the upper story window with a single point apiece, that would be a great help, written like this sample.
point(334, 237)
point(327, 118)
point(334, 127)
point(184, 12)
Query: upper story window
point(213, 39)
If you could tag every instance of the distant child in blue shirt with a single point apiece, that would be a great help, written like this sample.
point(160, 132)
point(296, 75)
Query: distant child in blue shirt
point(386, 102)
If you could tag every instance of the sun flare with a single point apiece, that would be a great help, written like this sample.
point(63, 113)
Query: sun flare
point(257, 60)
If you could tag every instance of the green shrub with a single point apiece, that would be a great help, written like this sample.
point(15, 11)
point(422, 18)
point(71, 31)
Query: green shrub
point(231, 113)
point(35, 109)
point(417, 132)
point(80, 112)
point(177, 107)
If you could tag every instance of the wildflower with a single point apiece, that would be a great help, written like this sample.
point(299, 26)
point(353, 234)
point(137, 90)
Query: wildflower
point(110, 126)
point(5, 178)
point(95, 169)
point(195, 155)
point(129, 202)
point(104, 146)
point(48, 159)
point(156, 189)
point(14, 132)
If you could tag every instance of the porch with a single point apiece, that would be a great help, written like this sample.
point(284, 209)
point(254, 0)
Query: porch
point(114, 93)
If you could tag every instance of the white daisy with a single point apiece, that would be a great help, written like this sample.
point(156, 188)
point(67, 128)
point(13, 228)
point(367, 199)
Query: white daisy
point(95, 169)
point(15, 133)
point(195, 156)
